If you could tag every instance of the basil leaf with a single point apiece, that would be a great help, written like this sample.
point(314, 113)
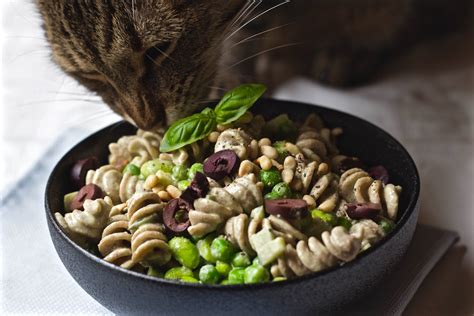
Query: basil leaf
point(237, 101)
point(188, 130)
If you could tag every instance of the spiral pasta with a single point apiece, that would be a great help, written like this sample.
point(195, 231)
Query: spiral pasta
point(212, 211)
point(115, 242)
point(246, 191)
point(148, 243)
point(341, 244)
point(325, 192)
point(367, 231)
point(312, 255)
point(315, 141)
point(355, 185)
point(135, 149)
point(129, 185)
point(240, 228)
point(86, 225)
point(281, 228)
point(108, 178)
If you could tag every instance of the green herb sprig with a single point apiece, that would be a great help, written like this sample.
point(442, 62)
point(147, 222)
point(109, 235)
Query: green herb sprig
point(197, 126)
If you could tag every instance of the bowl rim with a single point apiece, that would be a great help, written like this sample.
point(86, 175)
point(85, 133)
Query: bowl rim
point(412, 203)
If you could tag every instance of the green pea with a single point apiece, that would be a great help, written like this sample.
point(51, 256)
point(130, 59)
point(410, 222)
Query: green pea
point(153, 272)
point(223, 268)
point(222, 249)
point(204, 248)
point(270, 177)
point(329, 218)
point(225, 282)
point(177, 273)
point(189, 279)
point(179, 172)
point(281, 150)
point(195, 167)
point(256, 262)
point(282, 191)
point(271, 196)
point(241, 259)
point(132, 169)
point(387, 225)
point(279, 279)
point(208, 274)
point(280, 127)
point(256, 274)
point(183, 184)
point(236, 276)
point(153, 166)
point(344, 222)
point(185, 252)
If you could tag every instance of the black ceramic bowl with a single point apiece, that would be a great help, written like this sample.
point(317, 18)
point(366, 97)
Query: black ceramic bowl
point(125, 292)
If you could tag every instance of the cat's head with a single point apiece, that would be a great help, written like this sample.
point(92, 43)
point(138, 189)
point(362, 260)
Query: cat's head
point(147, 59)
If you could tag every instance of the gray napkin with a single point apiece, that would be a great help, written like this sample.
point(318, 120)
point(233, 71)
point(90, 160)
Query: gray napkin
point(34, 281)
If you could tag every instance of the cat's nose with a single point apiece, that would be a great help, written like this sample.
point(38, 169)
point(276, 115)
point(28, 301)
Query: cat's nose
point(143, 114)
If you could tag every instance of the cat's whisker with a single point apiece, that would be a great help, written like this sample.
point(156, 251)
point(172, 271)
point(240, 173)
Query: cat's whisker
point(248, 9)
point(262, 52)
point(256, 17)
point(25, 54)
point(62, 100)
point(217, 88)
point(89, 95)
point(259, 33)
point(95, 116)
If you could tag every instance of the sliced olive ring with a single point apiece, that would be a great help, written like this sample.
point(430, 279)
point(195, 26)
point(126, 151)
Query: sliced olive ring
point(175, 215)
point(79, 171)
point(287, 208)
point(87, 192)
point(221, 164)
point(198, 188)
point(363, 210)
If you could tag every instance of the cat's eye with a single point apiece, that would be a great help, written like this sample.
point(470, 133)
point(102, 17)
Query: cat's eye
point(160, 51)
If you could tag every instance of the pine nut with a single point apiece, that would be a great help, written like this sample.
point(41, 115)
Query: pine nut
point(150, 182)
point(265, 162)
point(213, 136)
point(310, 200)
point(269, 151)
point(264, 142)
point(322, 169)
point(287, 175)
point(165, 196)
point(173, 191)
point(246, 167)
point(292, 148)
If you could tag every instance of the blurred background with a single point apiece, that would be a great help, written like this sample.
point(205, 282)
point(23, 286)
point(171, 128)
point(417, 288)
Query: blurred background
point(425, 98)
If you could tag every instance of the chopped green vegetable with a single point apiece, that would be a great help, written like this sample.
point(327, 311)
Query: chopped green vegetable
point(279, 279)
point(179, 172)
point(153, 272)
point(329, 218)
point(68, 199)
point(282, 191)
point(387, 225)
point(183, 184)
point(344, 222)
point(261, 238)
point(153, 166)
point(271, 250)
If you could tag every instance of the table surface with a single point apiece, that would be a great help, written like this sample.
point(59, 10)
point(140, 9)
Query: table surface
point(425, 99)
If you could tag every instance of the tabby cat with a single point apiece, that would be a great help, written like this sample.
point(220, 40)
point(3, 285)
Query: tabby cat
point(153, 61)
